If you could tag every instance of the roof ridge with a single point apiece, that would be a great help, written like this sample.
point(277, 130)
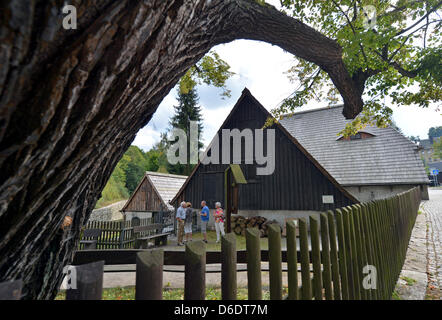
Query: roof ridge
point(313, 110)
point(153, 173)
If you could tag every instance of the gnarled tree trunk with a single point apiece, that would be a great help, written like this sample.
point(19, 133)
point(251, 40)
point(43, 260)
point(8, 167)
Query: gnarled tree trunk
point(72, 101)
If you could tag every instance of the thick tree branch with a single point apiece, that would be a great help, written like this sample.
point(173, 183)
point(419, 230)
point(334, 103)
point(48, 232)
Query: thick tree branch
point(267, 24)
point(397, 66)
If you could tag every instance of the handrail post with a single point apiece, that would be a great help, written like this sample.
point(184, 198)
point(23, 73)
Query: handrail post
point(228, 267)
point(316, 258)
point(86, 282)
point(149, 275)
point(253, 264)
point(306, 289)
point(11, 290)
point(325, 257)
point(275, 262)
point(292, 260)
point(195, 271)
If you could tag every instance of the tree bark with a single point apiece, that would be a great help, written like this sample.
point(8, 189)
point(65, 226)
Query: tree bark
point(72, 101)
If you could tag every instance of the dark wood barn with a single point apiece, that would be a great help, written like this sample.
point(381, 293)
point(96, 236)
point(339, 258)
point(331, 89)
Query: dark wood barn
point(299, 184)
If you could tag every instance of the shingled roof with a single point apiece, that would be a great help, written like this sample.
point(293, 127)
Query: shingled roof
point(385, 158)
point(167, 185)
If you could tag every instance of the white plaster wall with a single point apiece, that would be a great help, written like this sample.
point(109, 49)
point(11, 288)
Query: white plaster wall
point(108, 213)
point(369, 193)
point(140, 215)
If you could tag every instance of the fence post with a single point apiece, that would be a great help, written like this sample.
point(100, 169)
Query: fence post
point(368, 243)
point(228, 267)
point(11, 290)
point(380, 249)
point(334, 256)
point(306, 290)
point(325, 257)
point(316, 258)
point(349, 254)
point(362, 254)
point(195, 271)
point(374, 230)
point(87, 281)
point(393, 246)
point(292, 260)
point(122, 231)
point(253, 264)
point(149, 275)
point(355, 255)
point(275, 262)
point(342, 255)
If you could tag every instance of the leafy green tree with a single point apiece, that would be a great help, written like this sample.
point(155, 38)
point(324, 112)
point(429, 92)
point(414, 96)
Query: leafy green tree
point(135, 167)
point(437, 146)
point(211, 70)
point(392, 49)
point(157, 156)
point(115, 189)
point(434, 132)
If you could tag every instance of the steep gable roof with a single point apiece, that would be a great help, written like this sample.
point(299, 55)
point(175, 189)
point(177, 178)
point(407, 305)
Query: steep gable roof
point(247, 93)
point(386, 158)
point(165, 185)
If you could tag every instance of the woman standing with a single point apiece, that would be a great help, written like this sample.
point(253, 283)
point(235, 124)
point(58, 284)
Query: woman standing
point(219, 220)
point(188, 222)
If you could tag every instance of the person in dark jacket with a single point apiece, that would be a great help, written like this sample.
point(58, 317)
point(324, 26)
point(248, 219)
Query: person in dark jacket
point(188, 222)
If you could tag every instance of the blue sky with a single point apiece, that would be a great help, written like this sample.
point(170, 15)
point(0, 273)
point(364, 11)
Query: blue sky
point(260, 67)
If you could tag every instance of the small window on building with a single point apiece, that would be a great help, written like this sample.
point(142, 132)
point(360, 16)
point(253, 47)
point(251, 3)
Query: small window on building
point(357, 136)
point(328, 199)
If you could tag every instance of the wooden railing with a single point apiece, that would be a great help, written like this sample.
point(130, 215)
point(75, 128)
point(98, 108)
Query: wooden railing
point(114, 234)
point(355, 252)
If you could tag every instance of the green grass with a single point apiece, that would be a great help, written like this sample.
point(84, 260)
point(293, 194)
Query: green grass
point(408, 280)
point(128, 293)
point(395, 296)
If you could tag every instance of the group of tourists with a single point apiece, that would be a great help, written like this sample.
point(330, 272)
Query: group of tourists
point(185, 214)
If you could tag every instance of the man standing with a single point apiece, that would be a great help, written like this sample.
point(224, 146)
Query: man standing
point(205, 215)
point(181, 217)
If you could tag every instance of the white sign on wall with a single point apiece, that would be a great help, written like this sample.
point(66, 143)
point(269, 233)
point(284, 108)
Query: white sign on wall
point(327, 199)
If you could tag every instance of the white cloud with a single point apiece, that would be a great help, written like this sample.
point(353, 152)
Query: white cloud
point(415, 121)
point(213, 118)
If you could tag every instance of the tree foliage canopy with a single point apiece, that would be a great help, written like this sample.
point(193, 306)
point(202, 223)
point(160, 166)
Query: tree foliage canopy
point(210, 70)
point(434, 132)
point(437, 146)
point(126, 175)
point(392, 50)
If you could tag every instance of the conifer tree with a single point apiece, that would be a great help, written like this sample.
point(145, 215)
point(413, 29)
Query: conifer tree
point(186, 111)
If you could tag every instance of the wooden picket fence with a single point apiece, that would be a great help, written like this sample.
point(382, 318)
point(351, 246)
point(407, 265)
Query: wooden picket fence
point(352, 253)
point(114, 234)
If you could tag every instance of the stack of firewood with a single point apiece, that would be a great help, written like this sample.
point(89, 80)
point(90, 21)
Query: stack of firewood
point(239, 224)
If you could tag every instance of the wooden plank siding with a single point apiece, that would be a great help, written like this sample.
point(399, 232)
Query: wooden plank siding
point(298, 182)
point(145, 198)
